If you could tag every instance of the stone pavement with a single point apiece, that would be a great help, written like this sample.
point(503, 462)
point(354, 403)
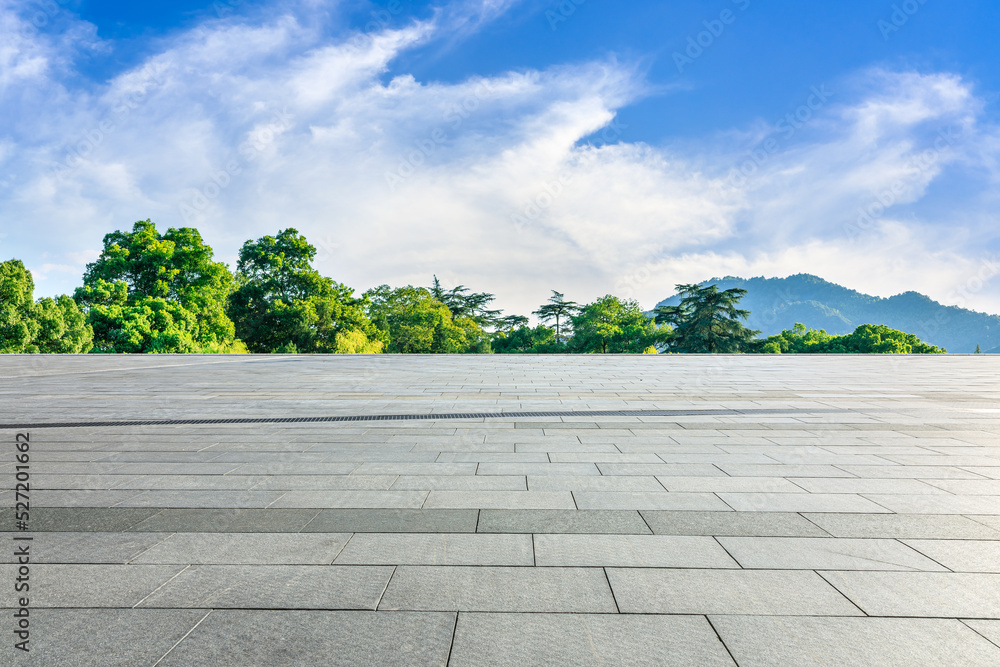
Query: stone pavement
point(837, 511)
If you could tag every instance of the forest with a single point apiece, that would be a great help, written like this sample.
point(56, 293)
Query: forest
point(152, 292)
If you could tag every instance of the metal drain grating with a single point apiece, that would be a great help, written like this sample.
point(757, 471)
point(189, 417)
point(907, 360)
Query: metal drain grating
point(456, 415)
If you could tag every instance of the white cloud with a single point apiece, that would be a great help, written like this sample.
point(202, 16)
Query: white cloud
point(243, 129)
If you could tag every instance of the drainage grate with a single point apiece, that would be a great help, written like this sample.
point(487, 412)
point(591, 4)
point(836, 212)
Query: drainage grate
point(456, 415)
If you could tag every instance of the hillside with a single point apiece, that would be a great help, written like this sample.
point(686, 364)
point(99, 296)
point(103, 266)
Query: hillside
point(778, 303)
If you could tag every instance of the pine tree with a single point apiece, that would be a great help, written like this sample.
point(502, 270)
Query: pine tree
point(707, 320)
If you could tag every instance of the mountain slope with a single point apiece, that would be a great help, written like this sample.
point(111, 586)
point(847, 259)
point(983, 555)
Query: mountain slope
point(778, 303)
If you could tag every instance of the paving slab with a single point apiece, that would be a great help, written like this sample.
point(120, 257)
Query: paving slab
point(87, 547)
point(753, 524)
point(105, 638)
point(666, 591)
point(921, 594)
point(802, 502)
point(512, 500)
point(642, 500)
point(630, 551)
point(598, 640)
point(272, 587)
point(927, 526)
point(437, 549)
point(778, 641)
point(499, 589)
point(826, 553)
point(246, 549)
point(214, 520)
point(88, 585)
point(393, 521)
point(82, 519)
point(988, 629)
point(961, 555)
point(316, 639)
point(562, 521)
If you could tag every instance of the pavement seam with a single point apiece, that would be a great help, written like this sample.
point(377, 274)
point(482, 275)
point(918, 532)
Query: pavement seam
point(721, 640)
point(186, 568)
point(387, 582)
point(964, 622)
point(614, 598)
point(451, 646)
point(193, 628)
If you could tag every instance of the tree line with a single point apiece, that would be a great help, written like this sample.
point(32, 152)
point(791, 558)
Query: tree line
point(149, 292)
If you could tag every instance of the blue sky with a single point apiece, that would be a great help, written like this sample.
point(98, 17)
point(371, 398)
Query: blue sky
point(515, 146)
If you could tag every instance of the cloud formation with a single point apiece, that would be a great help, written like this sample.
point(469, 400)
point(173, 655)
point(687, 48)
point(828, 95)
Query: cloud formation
point(515, 183)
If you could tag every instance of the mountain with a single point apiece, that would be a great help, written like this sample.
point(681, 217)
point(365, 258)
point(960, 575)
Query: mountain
point(778, 303)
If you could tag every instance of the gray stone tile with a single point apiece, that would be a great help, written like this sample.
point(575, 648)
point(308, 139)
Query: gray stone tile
point(316, 639)
point(630, 551)
point(209, 520)
point(79, 585)
point(393, 521)
point(81, 498)
point(304, 468)
point(510, 589)
point(327, 482)
point(492, 457)
point(777, 641)
point(591, 483)
point(968, 487)
point(562, 521)
point(437, 549)
point(87, 547)
point(784, 470)
point(801, 502)
point(459, 483)
point(659, 591)
point(921, 594)
point(753, 524)
point(193, 482)
point(246, 549)
point(272, 587)
point(349, 499)
point(990, 520)
point(866, 486)
point(938, 504)
point(572, 469)
point(83, 519)
point(202, 499)
point(122, 636)
point(988, 629)
point(495, 640)
point(962, 555)
point(431, 469)
point(529, 500)
point(662, 500)
point(729, 484)
point(661, 469)
point(926, 526)
point(825, 553)
point(911, 472)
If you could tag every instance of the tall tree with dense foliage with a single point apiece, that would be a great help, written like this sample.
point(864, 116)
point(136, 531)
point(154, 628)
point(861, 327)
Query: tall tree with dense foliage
point(560, 310)
point(464, 303)
point(47, 326)
point(707, 321)
point(142, 278)
point(415, 322)
point(613, 325)
point(537, 340)
point(283, 304)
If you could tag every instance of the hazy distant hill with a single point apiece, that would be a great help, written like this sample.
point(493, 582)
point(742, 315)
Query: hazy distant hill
point(778, 303)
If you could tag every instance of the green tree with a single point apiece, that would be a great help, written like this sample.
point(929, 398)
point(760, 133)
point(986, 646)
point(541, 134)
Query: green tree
point(537, 340)
point(511, 322)
point(17, 327)
point(866, 339)
point(707, 321)
point(463, 303)
point(414, 322)
point(63, 327)
point(48, 325)
point(175, 266)
point(283, 304)
point(558, 309)
point(613, 325)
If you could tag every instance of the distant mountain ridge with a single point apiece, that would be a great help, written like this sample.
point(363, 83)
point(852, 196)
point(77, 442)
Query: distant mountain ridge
point(778, 303)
